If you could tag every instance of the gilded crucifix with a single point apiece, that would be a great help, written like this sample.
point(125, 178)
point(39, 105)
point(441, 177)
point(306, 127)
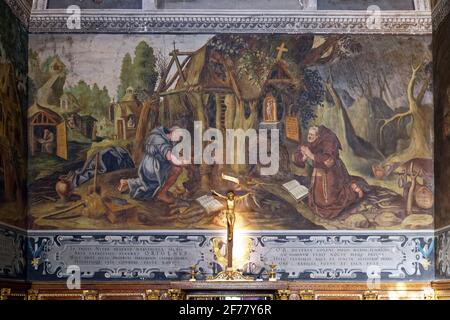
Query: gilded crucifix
point(231, 199)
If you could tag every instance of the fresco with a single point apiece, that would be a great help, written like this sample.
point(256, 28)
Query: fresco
point(13, 102)
point(442, 218)
point(312, 132)
point(442, 100)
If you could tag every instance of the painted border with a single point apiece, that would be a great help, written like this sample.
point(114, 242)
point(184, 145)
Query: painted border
point(22, 9)
point(233, 21)
point(402, 255)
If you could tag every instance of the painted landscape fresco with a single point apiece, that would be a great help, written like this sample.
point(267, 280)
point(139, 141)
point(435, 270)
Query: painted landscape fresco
point(354, 117)
point(13, 103)
point(442, 100)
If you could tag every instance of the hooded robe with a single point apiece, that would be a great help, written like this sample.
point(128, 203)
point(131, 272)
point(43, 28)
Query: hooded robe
point(331, 185)
point(155, 168)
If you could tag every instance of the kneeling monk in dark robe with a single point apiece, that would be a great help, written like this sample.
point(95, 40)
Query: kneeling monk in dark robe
point(332, 189)
point(159, 169)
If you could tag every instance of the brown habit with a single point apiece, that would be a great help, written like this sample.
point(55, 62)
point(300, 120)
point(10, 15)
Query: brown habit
point(331, 185)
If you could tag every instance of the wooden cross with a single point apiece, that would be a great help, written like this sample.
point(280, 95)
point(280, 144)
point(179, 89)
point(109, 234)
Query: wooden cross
point(281, 50)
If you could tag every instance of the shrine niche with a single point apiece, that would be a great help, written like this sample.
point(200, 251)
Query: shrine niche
point(47, 132)
point(270, 109)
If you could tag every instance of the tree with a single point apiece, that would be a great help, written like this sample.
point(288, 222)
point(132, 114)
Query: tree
point(144, 70)
point(92, 100)
point(312, 96)
point(357, 153)
point(126, 76)
point(420, 140)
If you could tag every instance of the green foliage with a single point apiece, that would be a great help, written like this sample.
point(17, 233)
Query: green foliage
point(255, 65)
point(141, 73)
point(92, 100)
point(144, 70)
point(229, 45)
point(126, 75)
point(254, 55)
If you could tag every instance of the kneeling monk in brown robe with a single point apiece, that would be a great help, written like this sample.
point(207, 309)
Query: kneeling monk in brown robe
point(332, 189)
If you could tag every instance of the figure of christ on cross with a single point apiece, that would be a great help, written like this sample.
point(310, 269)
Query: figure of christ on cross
point(231, 219)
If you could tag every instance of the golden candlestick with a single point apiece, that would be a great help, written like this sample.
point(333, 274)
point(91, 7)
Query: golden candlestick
point(273, 273)
point(193, 273)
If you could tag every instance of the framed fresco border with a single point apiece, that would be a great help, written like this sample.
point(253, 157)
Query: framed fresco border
point(234, 21)
point(169, 255)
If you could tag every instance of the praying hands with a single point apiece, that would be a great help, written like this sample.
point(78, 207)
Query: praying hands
point(307, 154)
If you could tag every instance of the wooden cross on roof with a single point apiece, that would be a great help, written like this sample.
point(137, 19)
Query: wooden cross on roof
point(281, 50)
point(174, 45)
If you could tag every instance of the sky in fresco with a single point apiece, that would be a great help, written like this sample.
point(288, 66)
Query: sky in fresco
point(98, 58)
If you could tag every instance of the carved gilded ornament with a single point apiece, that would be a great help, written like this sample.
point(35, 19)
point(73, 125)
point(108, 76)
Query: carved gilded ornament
point(90, 295)
point(283, 294)
point(33, 294)
point(152, 294)
point(5, 293)
point(175, 294)
point(307, 294)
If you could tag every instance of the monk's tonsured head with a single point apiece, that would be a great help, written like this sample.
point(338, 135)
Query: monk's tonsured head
point(313, 134)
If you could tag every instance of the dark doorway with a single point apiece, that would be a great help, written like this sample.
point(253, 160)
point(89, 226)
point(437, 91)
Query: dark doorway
point(38, 133)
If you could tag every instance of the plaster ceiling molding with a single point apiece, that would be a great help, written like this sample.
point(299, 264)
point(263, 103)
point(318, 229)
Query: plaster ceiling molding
point(220, 21)
point(21, 9)
point(440, 11)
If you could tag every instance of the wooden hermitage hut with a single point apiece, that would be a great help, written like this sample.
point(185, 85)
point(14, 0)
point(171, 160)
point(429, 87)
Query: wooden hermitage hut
point(224, 92)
